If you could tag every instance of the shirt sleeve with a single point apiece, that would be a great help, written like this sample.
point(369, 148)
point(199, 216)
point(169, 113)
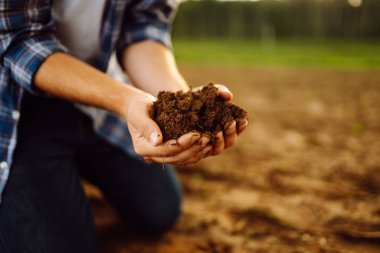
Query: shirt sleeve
point(147, 20)
point(26, 28)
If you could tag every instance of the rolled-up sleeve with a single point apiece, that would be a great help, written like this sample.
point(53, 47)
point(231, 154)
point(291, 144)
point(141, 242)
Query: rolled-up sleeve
point(26, 35)
point(147, 20)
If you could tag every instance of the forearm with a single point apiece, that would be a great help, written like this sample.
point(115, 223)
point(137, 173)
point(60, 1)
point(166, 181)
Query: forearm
point(71, 79)
point(151, 67)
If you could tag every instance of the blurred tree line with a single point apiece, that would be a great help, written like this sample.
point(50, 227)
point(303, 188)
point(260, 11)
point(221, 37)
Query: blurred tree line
point(269, 19)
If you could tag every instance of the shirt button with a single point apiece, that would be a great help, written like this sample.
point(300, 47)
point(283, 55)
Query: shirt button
point(3, 165)
point(15, 115)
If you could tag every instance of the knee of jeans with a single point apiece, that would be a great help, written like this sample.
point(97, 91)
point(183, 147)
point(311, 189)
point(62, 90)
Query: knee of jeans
point(157, 218)
point(161, 219)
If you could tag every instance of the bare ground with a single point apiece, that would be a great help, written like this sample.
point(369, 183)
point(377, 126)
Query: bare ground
point(304, 177)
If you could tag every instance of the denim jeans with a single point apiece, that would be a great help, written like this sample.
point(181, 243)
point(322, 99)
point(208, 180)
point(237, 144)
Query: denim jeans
point(44, 208)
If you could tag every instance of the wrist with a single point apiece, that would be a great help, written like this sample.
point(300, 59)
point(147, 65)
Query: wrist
point(171, 82)
point(121, 104)
point(128, 98)
point(175, 85)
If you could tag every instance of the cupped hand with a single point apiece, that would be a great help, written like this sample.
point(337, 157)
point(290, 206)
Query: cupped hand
point(148, 140)
point(226, 138)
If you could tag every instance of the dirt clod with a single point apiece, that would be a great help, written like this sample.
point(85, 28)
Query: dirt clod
point(203, 111)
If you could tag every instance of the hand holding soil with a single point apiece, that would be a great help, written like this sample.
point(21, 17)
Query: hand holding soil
point(205, 110)
point(147, 137)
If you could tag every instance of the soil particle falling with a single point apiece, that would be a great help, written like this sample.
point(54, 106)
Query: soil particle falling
point(203, 111)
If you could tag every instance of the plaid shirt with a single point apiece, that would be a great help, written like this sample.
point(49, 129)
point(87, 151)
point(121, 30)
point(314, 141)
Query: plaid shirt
point(26, 40)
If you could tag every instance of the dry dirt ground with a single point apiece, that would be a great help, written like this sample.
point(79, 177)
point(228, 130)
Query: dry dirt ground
point(304, 177)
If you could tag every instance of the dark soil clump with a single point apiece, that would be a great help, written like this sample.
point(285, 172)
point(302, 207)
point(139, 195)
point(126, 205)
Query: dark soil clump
point(203, 111)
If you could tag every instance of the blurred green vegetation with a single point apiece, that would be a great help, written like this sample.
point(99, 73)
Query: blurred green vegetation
point(315, 19)
point(286, 33)
point(297, 53)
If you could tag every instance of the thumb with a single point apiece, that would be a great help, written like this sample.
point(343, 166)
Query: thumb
point(149, 130)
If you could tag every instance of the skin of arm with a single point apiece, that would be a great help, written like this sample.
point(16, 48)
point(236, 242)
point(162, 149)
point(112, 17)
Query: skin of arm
point(69, 78)
point(152, 67)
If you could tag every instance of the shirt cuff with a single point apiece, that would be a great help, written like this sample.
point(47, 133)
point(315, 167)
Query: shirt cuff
point(24, 59)
point(158, 33)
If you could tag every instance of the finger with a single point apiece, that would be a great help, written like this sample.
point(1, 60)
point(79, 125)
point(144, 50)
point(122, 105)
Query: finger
point(169, 148)
point(224, 92)
point(185, 155)
point(219, 144)
point(148, 160)
point(230, 135)
point(241, 126)
point(209, 153)
point(201, 154)
point(182, 157)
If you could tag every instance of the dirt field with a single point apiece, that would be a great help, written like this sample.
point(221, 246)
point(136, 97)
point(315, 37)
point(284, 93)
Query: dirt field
point(304, 177)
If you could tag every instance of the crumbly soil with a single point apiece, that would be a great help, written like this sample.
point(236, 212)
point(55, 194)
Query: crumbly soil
point(204, 111)
point(303, 177)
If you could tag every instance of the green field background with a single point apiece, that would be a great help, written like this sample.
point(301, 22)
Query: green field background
point(287, 33)
point(300, 53)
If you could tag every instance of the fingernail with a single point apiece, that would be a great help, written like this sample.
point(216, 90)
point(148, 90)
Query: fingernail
point(242, 122)
point(231, 128)
point(174, 143)
point(206, 150)
point(195, 137)
point(227, 125)
point(153, 138)
point(204, 141)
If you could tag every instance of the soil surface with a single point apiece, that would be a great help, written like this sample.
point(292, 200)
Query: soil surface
point(303, 177)
point(203, 111)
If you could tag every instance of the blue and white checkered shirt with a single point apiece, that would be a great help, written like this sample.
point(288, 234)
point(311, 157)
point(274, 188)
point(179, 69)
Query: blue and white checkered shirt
point(27, 39)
